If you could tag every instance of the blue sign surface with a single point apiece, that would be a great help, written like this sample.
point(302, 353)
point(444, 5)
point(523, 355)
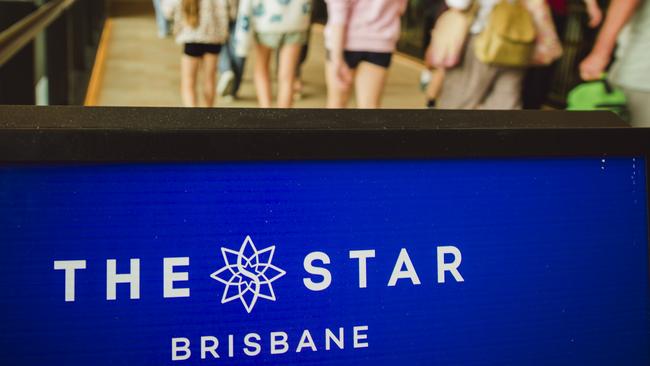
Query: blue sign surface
point(439, 262)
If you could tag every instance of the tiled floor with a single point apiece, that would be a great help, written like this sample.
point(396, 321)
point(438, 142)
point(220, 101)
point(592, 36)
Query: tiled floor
point(143, 70)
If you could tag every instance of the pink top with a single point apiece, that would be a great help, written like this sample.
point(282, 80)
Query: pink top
point(370, 25)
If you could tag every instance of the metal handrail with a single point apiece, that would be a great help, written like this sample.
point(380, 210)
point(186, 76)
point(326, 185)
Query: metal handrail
point(14, 38)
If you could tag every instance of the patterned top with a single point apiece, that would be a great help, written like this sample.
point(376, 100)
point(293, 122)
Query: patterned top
point(213, 21)
point(269, 16)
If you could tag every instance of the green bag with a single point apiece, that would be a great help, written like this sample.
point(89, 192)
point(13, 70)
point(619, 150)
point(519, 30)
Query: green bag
point(598, 95)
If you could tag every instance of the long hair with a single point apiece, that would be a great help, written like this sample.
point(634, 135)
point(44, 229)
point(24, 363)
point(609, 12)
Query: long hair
point(191, 12)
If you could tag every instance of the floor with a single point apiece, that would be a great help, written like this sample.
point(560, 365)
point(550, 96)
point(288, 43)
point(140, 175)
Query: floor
point(140, 69)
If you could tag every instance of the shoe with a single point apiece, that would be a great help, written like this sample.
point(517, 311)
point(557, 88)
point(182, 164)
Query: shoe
point(164, 33)
point(425, 79)
point(225, 84)
point(228, 99)
point(297, 90)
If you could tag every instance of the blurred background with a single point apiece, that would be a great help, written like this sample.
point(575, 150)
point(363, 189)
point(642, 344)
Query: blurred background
point(112, 53)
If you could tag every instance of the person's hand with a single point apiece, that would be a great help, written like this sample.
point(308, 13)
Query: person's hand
point(446, 52)
point(595, 13)
point(593, 67)
point(343, 73)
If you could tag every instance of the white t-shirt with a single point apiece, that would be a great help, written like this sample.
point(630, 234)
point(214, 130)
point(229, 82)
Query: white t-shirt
point(482, 16)
point(632, 66)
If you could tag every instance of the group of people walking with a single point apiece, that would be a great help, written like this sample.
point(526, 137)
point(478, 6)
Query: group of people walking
point(360, 37)
point(478, 51)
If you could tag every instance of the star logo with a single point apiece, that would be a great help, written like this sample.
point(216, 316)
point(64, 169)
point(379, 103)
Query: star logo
point(248, 274)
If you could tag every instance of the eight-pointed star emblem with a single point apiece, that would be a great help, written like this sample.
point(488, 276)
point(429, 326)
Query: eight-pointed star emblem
point(248, 274)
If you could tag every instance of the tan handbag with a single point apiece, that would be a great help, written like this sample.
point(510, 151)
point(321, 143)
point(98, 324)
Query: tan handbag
point(509, 36)
point(448, 37)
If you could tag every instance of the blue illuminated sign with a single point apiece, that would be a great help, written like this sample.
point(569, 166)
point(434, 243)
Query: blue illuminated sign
point(439, 262)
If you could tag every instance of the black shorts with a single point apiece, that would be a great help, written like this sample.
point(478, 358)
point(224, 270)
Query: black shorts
point(354, 58)
point(200, 49)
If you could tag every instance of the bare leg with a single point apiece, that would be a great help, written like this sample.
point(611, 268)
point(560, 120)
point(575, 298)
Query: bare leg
point(189, 69)
point(437, 78)
point(210, 61)
point(337, 95)
point(289, 56)
point(262, 77)
point(369, 85)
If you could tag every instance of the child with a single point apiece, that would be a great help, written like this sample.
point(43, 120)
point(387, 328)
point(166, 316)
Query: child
point(360, 37)
point(275, 25)
point(201, 26)
point(161, 22)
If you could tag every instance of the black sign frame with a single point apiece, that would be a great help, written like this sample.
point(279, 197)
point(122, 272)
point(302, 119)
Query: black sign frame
point(78, 134)
point(82, 135)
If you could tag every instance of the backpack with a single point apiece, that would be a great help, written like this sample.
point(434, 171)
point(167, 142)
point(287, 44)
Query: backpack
point(509, 36)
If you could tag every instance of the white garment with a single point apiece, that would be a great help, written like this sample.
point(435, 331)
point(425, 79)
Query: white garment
point(632, 67)
point(482, 16)
point(638, 103)
point(213, 21)
point(269, 16)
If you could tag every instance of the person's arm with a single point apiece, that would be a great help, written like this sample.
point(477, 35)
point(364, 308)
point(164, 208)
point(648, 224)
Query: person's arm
point(595, 13)
point(618, 14)
point(338, 12)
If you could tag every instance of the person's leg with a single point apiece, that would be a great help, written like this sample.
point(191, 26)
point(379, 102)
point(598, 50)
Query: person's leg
point(466, 85)
point(434, 86)
point(288, 63)
point(262, 77)
point(231, 67)
point(161, 22)
point(237, 63)
point(209, 75)
point(638, 103)
point(338, 95)
point(224, 61)
point(304, 51)
point(226, 72)
point(369, 84)
point(189, 69)
point(506, 90)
